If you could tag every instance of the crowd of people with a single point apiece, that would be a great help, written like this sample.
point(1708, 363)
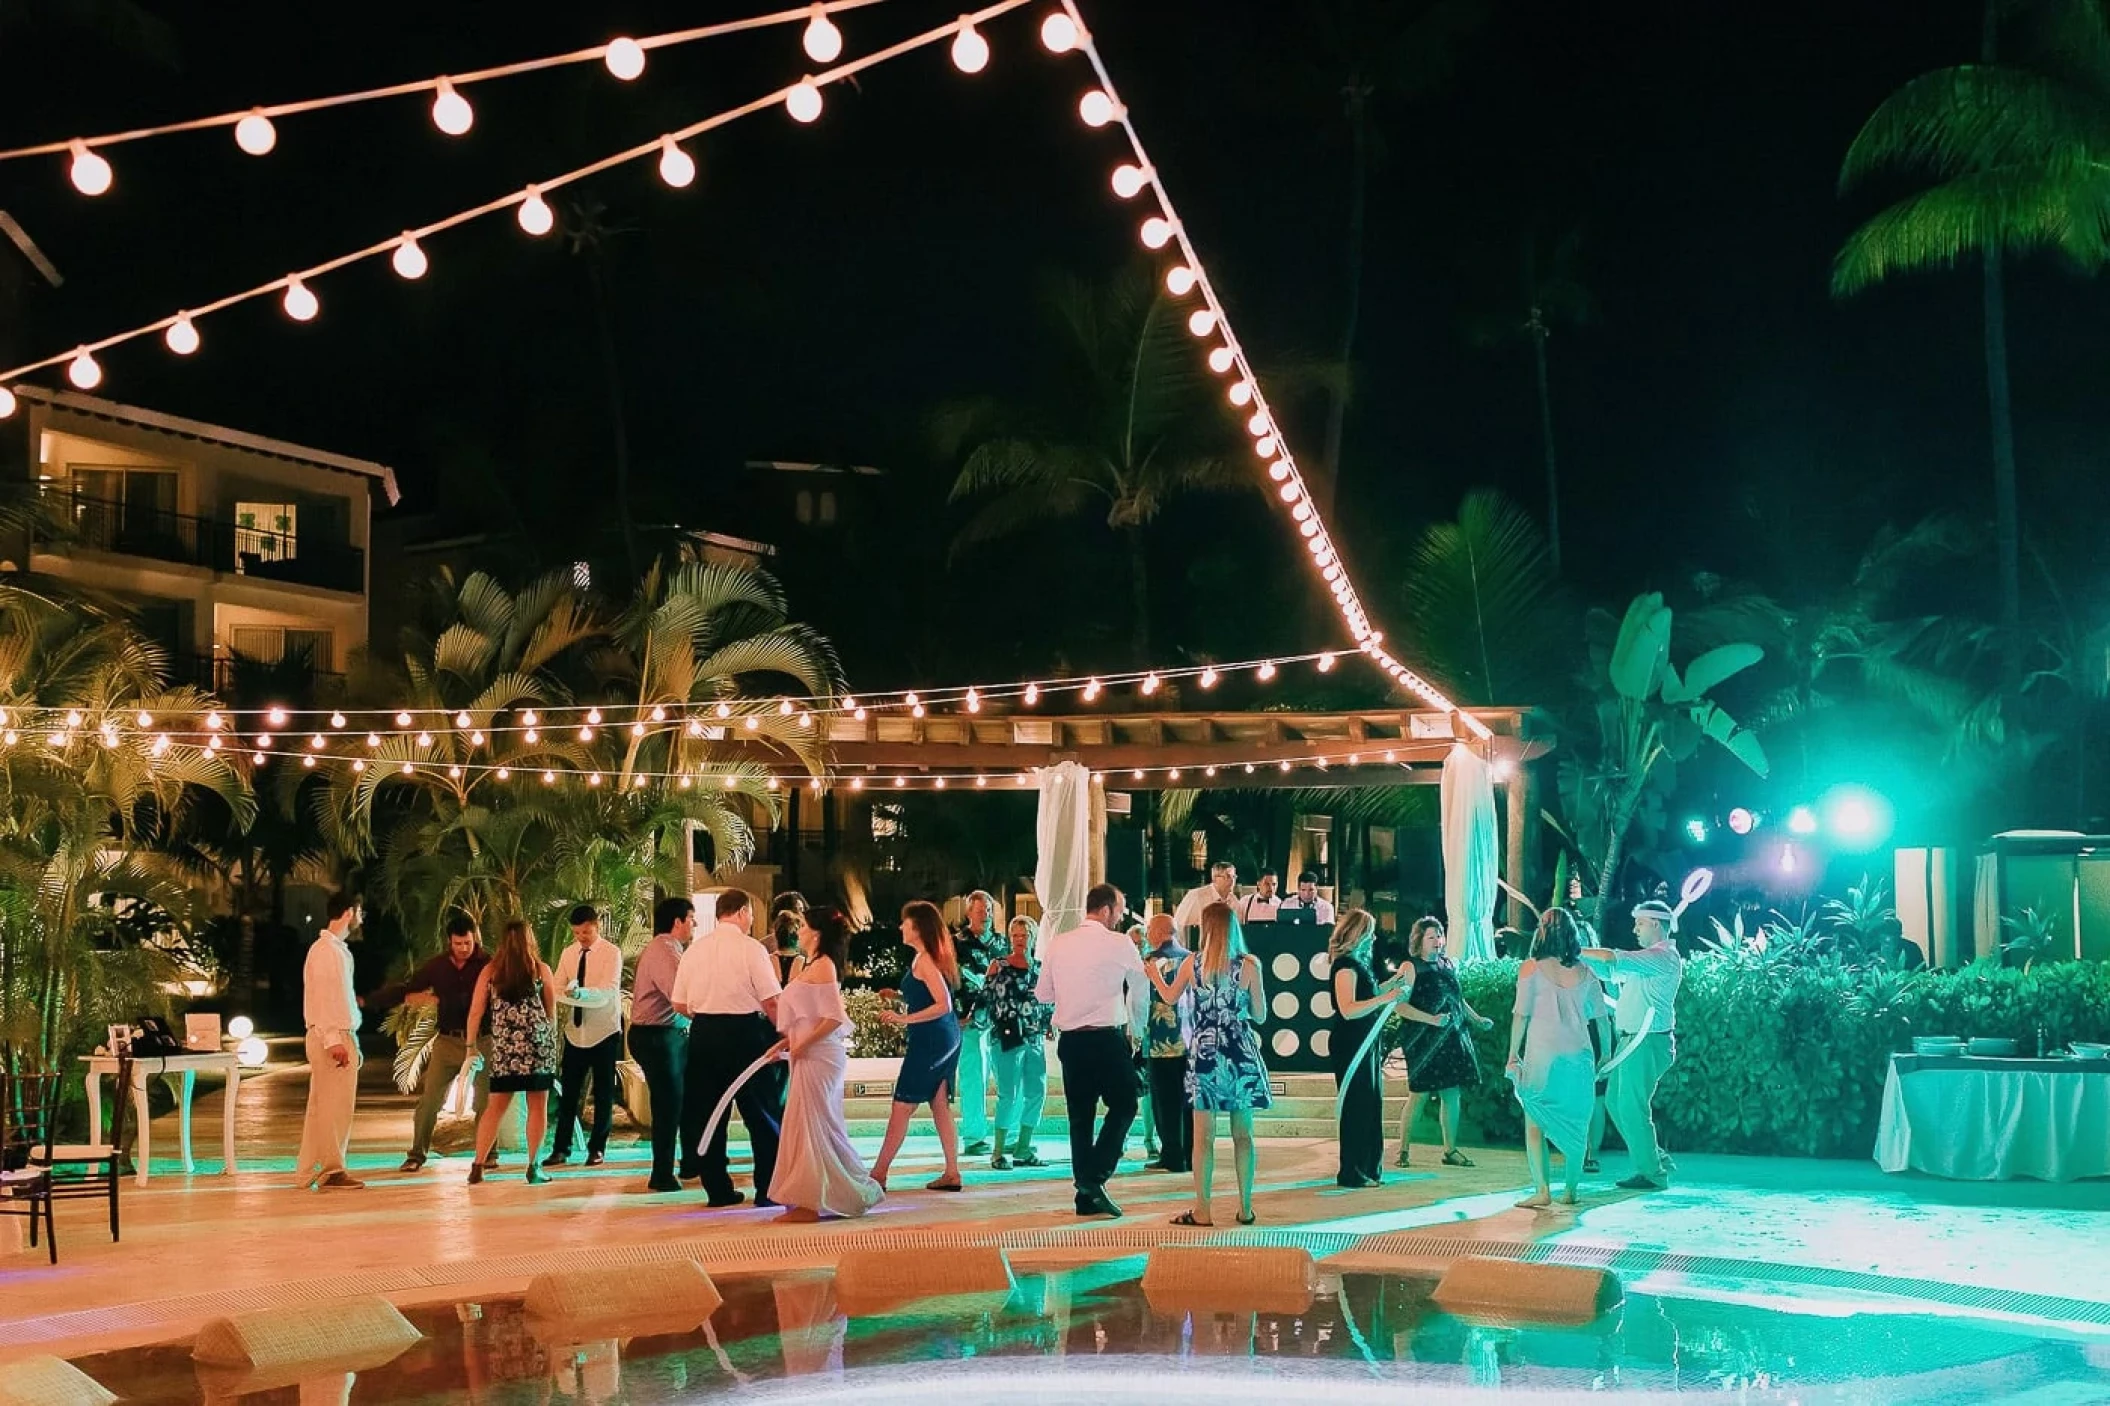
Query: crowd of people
point(732, 1020)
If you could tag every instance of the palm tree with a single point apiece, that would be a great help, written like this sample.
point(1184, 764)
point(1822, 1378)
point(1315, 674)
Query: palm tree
point(1375, 50)
point(588, 232)
point(1548, 295)
point(2016, 152)
point(1132, 422)
point(1484, 607)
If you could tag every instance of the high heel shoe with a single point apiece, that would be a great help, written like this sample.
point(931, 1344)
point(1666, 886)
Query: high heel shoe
point(476, 1173)
point(535, 1175)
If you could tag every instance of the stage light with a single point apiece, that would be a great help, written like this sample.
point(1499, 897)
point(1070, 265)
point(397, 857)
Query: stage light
point(1856, 817)
point(1696, 830)
point(1802, 821)
point(1742, 821)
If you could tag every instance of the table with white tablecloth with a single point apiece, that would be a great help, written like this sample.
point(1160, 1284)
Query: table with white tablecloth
point(1978, 1119)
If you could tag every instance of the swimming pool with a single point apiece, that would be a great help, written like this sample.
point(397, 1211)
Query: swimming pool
point(1090, 1335)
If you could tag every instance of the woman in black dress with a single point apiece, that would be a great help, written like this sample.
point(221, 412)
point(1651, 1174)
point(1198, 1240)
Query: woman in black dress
point(785, 917)
point(1360, 1003)
point(1438, 1051)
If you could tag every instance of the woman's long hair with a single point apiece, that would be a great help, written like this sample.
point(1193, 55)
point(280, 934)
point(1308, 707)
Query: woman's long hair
point(1557, 938)
point(834, 932)
point(932, 938)
point(1223, 943)
point(517, 966)
point(1421, 925)
point(1350, 933)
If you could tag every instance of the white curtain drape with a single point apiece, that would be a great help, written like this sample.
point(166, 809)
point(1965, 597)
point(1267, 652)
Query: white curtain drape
point(1469, 854)
point(1062, 873)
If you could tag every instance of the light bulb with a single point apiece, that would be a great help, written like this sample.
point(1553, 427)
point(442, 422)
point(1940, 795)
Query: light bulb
point(182, 335)
point(7, 402)
point(318, 742)
point(307, 759)
point(528, 717)
point(1208, 678)
point(408, 260)
point(276, 717)
point(358, 764)
point(1157, 232)
point(1266, 671)
point(90, 172)
point(1059, 32)
point(373, 740)
point(84, 371)
point(1222, 360)
point(1129, 180)
point(144, 718)
point(803, 102)
point(637, 729)
point(1150, 683)
point(970, 51)
point(461, 719)
point(659, 713)
point(505, 773)
point(1265, 446)
point(476, 738)
point(725, 710)
point(336, 720)
point(1201, 322)
point(676, 167)
point(535, 216)
point(213, 722)
point(625, 58)
point(586, 734)
point(823, 41)
point(1179, 280)
point(424, 739)
point(1259, 424)
point(1032, 694)
point(1302, 511)
point(974, 701)
point(255, 134)
point(1096, 108)
point(1290, 493)
point(1091, 690)
point(300, 303)
point(784, 707)
point(1241, 393)
point(402, 720)
point(451, 112)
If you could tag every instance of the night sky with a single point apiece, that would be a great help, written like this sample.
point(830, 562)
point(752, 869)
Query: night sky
point(819, 292)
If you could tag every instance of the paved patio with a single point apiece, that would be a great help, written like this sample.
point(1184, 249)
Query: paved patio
point(1835, 1236)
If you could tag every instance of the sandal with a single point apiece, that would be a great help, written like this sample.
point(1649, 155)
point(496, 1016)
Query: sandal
point(1402, 1162)
point(942, 1185)
point(1246, 1218)
point(1187, 1218)
point(1027, 1158)
point(1455, 1158)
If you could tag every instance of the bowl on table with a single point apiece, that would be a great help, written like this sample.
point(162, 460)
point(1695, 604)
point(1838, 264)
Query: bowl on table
point(1987, 1047)
point(2088, 1049)
point(1937, 1045)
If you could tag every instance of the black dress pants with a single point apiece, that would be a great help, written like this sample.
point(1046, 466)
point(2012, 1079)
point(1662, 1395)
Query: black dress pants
point(580, 1060)
point(662, 1052)
point(1172, 1113)
point(720, 1047)
point(1362, 1111)
point(1098, 1067)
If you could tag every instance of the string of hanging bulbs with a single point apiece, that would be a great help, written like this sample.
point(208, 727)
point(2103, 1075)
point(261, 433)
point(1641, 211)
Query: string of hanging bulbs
point(1061, 31)
point(256, 132)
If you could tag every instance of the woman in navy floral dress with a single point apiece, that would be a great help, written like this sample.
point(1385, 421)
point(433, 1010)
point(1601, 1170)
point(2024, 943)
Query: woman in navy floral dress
point(1225, 1071)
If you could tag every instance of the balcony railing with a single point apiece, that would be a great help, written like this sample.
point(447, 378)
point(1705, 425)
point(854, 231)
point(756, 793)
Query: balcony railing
point(225, 675)
point(141, 531)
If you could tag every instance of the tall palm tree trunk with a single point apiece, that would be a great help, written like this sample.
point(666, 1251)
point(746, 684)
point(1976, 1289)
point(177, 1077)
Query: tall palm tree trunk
point(1138, 597)
point(2000, 410)
point(1352, 316)
point(1553, 478)
point(604, 323)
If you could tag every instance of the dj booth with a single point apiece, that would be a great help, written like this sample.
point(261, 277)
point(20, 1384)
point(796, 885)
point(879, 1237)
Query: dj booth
point(1292, 952)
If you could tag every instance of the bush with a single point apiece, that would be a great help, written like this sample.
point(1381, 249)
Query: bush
point(1785, 1058)
point(871, 1037)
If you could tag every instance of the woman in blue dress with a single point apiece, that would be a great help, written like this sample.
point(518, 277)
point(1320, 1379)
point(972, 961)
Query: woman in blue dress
point(930, 1068)
point(1225, 1073)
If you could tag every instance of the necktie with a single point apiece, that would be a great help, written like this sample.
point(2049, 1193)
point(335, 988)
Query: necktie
point(578, 1013)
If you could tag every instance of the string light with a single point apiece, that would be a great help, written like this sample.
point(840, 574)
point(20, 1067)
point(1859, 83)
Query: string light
point(534, 214)
point(1129, 180)
point(182, 335)
point(1179, 280)
point(255, 134)
point(1059, 33)
point(970, 51)
point(408, 260)
point(84, 371)
point(1091, 691)
point(300, 302)
point(625, 59)
point(822, 41)
point(336, 720)
point(803, 101)
point(451, 112)
point(676, 167)
point(1096, 108)
point(89, 171)
point(7, 402)
point(659, 713)
point(1265, 672)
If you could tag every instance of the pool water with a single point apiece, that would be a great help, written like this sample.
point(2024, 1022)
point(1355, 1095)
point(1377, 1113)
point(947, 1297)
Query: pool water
point(1090, 1335)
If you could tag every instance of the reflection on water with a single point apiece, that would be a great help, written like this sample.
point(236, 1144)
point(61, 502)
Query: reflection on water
point(1371, 1330)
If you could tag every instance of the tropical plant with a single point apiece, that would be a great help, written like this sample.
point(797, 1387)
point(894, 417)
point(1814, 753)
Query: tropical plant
point(2015, 153)
point(1131, 422)
point(2033, 936)
point(1484, 607)
point(1644, 718)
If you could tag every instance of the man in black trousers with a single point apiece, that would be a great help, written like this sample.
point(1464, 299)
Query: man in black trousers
point(1094, 978)
point(728, 988)
point(659, 1038)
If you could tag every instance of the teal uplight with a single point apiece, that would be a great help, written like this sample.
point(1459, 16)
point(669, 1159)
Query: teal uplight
point(1856, 817)
point(1802, 821)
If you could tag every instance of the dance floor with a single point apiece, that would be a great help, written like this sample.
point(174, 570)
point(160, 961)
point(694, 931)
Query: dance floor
point(1826, 1237)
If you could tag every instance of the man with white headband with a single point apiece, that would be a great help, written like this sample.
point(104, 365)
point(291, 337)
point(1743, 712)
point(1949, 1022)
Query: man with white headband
point(1647, 982)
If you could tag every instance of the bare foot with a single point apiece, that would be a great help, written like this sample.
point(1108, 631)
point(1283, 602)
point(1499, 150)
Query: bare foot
point(1567, 1197)
point(798, 1215)
point(1537, 1201)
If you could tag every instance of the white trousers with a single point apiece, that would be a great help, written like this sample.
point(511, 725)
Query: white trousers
point(326, 1131)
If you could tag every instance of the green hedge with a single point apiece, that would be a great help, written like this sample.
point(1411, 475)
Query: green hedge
point(1779, 1058)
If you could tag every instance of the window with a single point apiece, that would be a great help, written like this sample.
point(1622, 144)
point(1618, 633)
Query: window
point(123, 509)
point(279, 644)
point(827, 506)
point(582, 575)
point(802, 506)
point(264, 532)
point(889, 837)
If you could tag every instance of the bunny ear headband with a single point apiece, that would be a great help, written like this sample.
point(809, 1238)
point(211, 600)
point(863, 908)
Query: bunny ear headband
point(1696, 883)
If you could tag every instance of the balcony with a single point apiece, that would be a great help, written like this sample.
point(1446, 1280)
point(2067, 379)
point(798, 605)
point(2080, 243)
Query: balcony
point(138, 530)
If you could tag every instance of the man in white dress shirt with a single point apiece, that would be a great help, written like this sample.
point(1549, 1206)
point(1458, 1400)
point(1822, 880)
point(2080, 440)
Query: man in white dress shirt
point(1307, 896)
point(330, 1008)
point(1646, 1016)
point(728, 988)
point(1261, 904)
point(590, 1013)
point(1094, 978)
point(1221, 888)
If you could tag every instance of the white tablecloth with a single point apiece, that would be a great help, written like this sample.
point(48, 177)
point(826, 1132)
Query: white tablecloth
point(1996, 1119)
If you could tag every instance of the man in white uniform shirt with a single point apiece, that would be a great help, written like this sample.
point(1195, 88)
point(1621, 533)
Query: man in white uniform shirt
point(1307, 896)
point(1094, 978)
point(330, 1008)
point(1646, 1016)
point(590, 1013)
point(1221, 888)
point(728, 988)
point(1260, 905)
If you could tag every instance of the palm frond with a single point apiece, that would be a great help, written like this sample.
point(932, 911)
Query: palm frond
point(2062, 205)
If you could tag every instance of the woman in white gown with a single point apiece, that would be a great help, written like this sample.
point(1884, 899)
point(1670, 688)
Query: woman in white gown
point(1551, 1061)
point(818, 1171)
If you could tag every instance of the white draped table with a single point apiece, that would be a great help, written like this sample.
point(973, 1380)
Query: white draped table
point(1996, 1119)
point(176, 1066)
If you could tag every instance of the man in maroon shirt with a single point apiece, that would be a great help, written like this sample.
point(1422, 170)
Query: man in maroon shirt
point(447, 981)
